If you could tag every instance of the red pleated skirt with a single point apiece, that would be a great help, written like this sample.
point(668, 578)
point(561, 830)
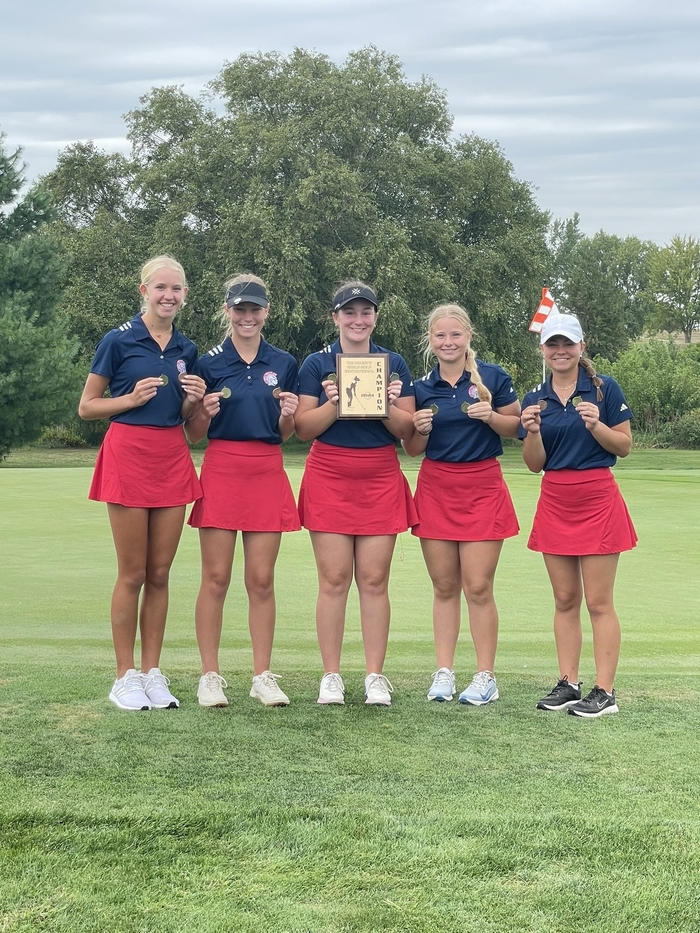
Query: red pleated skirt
point(464, 502)
point(144, 467)
point(245, 488)
point(355, 491)
point(581, 512)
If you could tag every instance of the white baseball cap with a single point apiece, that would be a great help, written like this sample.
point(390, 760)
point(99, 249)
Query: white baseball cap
point(561, 325)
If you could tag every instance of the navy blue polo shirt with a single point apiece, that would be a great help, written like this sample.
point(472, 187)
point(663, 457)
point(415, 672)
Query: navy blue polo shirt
point(568, 443)
point(252, 412)
point(348, 432)
point(128, 354)
point(457, 438)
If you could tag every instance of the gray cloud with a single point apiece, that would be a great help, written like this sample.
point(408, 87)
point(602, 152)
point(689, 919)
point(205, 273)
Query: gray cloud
point(595, 103)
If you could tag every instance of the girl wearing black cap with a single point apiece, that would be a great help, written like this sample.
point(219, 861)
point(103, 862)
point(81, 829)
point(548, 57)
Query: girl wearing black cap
point(354, 498)
point(247, 412)
point(575, 425)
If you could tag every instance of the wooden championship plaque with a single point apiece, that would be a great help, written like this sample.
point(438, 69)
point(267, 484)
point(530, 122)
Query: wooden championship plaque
point(363, 383)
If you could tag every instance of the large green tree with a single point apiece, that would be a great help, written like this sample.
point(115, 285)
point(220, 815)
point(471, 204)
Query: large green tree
point(307, 172)
point(675, 287)
point(37, 374)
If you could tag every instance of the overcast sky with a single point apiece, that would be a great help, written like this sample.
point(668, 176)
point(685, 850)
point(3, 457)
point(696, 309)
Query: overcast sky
point(595, 102)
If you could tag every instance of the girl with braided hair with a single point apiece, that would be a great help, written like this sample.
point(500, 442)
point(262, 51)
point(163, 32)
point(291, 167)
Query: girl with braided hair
point(464, 407)
point(575, 425)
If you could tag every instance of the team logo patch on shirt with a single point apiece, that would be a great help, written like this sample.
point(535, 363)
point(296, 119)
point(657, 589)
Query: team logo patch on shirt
point(270, 378)
point(473, 392)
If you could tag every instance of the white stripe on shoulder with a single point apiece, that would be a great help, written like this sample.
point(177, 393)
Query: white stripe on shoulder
point(216, 350)
point(127, 326)
point(326, 349)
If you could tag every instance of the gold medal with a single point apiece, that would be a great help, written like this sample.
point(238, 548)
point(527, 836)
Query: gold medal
point(164, 379)
point(542, 404)
point(225, 392)
point(576, 401)
point(393, 377)
point(465, 407)
point(331, 377)
point(276, 392)
point(434, 409)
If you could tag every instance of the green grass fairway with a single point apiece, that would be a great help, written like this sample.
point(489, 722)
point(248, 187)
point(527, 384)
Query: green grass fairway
point(421, 818)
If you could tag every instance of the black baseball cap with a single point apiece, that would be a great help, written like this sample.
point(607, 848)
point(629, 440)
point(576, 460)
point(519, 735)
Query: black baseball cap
point(350, 293)
point(247, 291)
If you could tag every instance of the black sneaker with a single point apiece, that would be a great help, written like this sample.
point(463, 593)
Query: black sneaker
point(561, 696)
point(597, 703)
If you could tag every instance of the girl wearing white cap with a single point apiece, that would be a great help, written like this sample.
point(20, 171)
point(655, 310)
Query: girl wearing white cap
point(575, 425)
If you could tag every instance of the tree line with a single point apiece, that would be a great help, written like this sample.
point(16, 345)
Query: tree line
point(307, 172)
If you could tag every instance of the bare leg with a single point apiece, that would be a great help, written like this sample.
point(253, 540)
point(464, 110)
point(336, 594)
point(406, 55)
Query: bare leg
point(334, 562)
point(164, 530)
point(442, 561)
point(217, 546)
point(565, 577)
point(130, 533)
point(479, 560)
point(373, 555)
point(598, 583)
point(261, 550)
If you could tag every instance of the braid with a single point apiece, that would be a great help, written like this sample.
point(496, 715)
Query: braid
point(589, 370)
point(472, 367)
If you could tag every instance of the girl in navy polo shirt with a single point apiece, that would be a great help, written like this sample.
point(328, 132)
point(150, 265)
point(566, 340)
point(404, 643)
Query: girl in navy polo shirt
point(574, 426)
point(464, 407)
point(354, 499)
point(247, 412)
point(144, 471)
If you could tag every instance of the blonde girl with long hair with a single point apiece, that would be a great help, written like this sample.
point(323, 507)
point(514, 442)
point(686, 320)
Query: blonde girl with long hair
point(144, 471)
point(464, 407)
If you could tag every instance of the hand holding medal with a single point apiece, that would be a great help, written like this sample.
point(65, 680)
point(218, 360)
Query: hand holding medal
point(423, 419)
point(330, 387)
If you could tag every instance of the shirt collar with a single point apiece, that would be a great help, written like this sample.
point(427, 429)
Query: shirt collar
point(584, 383)
point(336, 348)
point(141, 332)
point(435, 379)
point(262, 356)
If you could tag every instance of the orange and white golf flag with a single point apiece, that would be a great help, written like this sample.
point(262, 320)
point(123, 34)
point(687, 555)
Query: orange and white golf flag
point(546, 307)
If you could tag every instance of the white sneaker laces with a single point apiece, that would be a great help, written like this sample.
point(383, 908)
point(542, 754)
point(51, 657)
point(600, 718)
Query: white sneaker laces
point(333, 682)
point(443, 676)
point(379, 681)
point(213, 680)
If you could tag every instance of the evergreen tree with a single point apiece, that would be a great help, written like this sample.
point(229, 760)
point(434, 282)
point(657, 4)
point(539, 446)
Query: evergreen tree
point(38, 380)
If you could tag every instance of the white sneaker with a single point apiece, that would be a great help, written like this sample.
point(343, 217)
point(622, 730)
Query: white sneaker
point(266, 690)
point(332, 689)
point(378, 690)
point(155, 686)
point(210, 690)
point(443, 686)
point(127, 692)
point(481, 690)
